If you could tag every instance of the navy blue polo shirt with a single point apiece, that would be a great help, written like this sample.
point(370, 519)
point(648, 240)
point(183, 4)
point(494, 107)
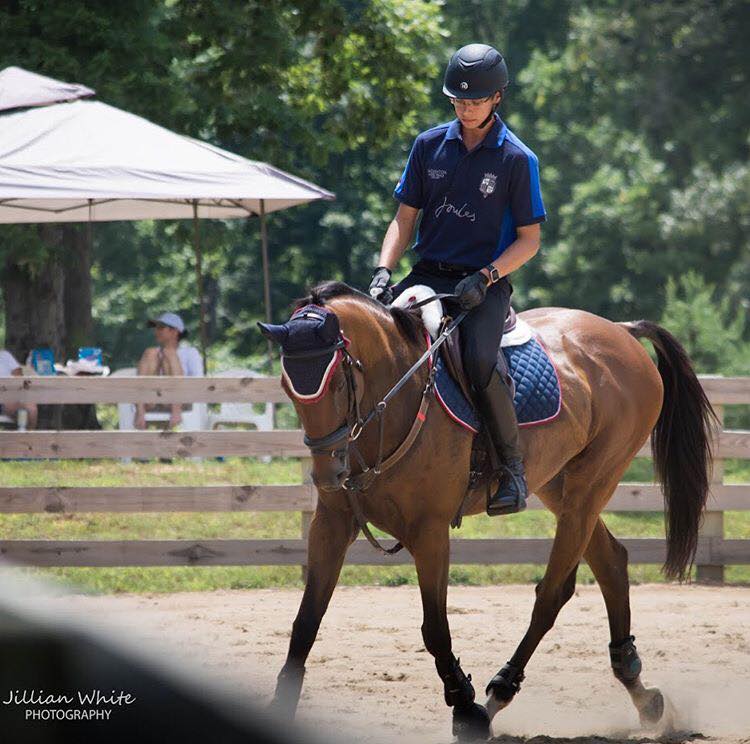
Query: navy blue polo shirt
point(471, 202)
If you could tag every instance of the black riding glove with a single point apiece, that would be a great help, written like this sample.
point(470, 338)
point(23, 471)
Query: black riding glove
point(380, 288)
point(471, 290)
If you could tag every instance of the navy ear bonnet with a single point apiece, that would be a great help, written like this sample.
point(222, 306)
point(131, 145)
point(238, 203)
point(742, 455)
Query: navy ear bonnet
point(311, 345)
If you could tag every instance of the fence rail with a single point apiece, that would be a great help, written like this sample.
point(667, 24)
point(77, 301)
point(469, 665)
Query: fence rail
point(142, 389)
point(720, 390)
point(292, 552)
point(714, 551)
point(629, 497)
point(73, 445)
point(76, 445)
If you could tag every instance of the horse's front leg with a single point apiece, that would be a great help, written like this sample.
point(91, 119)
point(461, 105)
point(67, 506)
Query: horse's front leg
point(331, 533)
point(430, 549)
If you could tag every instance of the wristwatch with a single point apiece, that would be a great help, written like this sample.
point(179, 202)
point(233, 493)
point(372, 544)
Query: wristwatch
point(494, 273)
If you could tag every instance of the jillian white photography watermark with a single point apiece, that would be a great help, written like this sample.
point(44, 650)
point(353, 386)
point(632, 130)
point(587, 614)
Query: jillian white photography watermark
point(79, 705)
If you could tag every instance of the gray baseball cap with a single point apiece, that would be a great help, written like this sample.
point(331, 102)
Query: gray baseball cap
point(169, 319)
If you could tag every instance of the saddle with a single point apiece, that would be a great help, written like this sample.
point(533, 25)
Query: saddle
point(451, 353)
point(515, 333)
point(522, 360)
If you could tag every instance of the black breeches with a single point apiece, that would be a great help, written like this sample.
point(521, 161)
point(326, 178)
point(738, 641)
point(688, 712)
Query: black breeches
point(481, 330)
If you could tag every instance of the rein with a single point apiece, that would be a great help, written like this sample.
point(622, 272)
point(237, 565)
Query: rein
point(348, 433)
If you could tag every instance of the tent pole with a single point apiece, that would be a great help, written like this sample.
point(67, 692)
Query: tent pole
point(89, 228)
point(266, 277)
point(199, 282)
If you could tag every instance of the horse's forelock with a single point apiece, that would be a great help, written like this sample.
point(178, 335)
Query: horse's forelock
point(408, 322)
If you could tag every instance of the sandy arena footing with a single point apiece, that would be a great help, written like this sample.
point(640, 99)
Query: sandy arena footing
point(370, 675)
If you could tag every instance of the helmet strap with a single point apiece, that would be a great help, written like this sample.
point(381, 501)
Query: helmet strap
point(492, 112)
point(489, 116)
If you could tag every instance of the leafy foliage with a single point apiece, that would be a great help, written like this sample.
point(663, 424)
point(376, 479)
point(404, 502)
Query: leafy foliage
point(711, 328)
point(637, 111)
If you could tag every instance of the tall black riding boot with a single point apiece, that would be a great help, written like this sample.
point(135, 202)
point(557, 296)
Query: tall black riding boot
point(499, 416)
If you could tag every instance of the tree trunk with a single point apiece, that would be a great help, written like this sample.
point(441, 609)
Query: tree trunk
point(49, 305)
point(34, 314)
point(79, 326)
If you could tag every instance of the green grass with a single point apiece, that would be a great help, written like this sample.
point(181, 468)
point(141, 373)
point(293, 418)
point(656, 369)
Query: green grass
point(279, 525)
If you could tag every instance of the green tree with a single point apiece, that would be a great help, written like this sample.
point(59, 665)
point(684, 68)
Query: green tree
point(119, 50)
point(710, 327)
point(639, 111)
point(322, 89)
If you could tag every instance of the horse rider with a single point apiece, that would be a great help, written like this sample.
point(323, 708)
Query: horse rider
point(477, 187)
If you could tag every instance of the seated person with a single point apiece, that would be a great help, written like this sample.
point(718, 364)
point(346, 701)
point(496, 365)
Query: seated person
point(9, 367)
point(168, 358)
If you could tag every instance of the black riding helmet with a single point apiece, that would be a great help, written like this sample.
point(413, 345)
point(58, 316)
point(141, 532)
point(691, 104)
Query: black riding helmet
point(475, 71)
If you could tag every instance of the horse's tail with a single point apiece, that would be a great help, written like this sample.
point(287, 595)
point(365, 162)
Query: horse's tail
point(681, 446)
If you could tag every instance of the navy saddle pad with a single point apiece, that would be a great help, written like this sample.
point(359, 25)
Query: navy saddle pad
point(537, 388)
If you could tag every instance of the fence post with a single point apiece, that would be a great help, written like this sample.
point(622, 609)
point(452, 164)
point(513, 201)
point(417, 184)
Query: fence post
point(306, 516)
point(713, 523)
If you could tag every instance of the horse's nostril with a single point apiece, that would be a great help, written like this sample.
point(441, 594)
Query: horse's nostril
point(331, 481)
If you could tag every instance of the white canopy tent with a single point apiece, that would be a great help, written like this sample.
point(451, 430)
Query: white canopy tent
point(65, 159)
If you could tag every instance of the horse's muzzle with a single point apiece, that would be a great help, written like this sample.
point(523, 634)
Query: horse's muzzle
point(331, 471)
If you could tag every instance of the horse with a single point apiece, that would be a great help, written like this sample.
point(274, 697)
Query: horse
point(411, 486)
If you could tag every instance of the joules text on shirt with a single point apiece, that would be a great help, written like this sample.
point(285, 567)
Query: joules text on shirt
point(461, 212)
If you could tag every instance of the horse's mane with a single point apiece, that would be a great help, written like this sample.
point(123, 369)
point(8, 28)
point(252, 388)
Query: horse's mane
point(409, 322)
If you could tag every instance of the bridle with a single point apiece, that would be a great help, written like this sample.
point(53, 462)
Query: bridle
point(342, 440)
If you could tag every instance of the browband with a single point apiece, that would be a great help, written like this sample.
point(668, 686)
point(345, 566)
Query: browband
point(340, 344)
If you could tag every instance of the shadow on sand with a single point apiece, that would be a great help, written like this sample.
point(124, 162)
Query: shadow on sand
point(682, 737)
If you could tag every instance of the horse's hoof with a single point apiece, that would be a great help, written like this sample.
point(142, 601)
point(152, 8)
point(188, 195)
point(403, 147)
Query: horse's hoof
point(471, 723)
point(281, 709)
point(653, 709)
point(288, 691)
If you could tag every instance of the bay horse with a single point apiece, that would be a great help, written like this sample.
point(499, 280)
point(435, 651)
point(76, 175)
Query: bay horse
point(613, 398)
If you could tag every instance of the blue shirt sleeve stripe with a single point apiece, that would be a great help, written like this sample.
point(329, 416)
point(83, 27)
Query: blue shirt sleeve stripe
point(528, 207)
point(507, 232)
point(537, 206)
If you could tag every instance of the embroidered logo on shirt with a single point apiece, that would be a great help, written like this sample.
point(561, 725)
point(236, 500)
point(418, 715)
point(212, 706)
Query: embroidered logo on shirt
point(460, 212)
point(436, 173)
point(487, 186)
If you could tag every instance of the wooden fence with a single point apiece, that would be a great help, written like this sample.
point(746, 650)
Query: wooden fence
point(714, 551)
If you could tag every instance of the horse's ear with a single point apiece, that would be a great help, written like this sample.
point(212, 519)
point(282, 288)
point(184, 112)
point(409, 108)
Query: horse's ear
point(277, 333)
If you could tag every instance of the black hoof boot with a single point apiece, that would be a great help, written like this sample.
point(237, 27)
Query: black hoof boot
point(471, 723)
point(626, 664)
point(505, 684)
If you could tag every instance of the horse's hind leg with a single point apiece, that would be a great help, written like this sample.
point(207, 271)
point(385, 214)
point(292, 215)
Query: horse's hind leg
point(554, 590)
point(331, 533)
point(576, 498)
point(608, 560)
point(430, 549)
